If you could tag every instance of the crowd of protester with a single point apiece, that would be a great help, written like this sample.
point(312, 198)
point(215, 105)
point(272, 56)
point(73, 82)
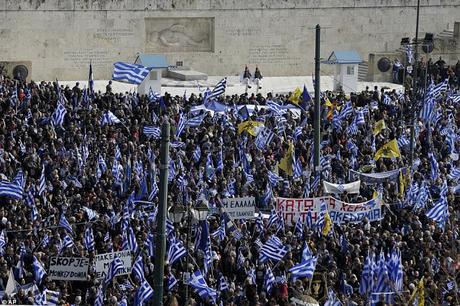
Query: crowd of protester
point(91, 196)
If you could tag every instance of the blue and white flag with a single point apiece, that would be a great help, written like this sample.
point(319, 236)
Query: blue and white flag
point(143, 294)
point(181, 125)
point(196, 121)
point(14, 189)
point(198, 283)
point(176, 251)
point(264, 138)
point(138, 268)
point(172, 281)
point(273, 249)
point(305, 268)
point(153, 95)
point(115, 268)
point(42, 185)
point(129, 73)
point(89, 239)
point(269, 280)
point(65, 224)
point(109, 118)
point(217, 91)
point(439, 212)
point(39, 271)
point(152, 131)
point(273, 178)
point(57, 118)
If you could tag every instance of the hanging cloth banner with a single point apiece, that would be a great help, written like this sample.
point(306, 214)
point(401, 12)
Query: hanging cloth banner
point(376, 178)
point(351, 188)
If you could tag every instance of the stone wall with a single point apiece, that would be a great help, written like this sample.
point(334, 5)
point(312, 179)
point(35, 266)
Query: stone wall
point(217, 37)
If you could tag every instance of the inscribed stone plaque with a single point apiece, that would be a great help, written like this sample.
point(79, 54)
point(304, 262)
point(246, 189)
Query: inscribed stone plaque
point(179, 34)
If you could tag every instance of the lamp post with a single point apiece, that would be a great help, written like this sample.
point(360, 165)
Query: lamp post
point(414, 96)
point(177, 214)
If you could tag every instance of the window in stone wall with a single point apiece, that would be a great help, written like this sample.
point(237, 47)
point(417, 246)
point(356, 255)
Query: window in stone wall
point(350, 70)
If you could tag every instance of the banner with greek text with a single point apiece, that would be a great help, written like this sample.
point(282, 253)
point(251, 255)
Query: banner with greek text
point(103, 262)
point(340, 212)
point(68, 268)
point(240, 208)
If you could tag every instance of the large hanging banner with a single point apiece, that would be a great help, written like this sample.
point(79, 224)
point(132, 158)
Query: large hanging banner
point(376, 178)
point(340, 212)
point(240, 208)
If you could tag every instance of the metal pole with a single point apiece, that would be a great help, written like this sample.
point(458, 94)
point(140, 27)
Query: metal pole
point(317, 124)
point(187, 261)
point(161, 225)
point(414, 91)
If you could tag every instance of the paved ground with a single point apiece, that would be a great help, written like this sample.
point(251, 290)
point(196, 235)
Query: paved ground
point(269, 84)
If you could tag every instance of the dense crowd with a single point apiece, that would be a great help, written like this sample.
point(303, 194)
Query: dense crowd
point(102, 175)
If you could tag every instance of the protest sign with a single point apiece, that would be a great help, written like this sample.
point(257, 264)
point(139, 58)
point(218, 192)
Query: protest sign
point(103, 262)
point(340, 212)
point(240, 208)
point(68, 268)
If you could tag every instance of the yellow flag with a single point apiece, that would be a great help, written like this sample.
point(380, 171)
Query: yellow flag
point(327, 224)
point(328, 103)
point(421, 293)
point(379, 126)
point(388, 150)
point(249, 126)
point(402, 182)
point(286, 162)
point(295, 98)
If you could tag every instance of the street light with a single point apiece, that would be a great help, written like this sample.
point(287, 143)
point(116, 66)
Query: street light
point(201, 211)
point(177, 213)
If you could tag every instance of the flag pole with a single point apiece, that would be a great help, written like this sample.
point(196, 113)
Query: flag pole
point(317, 125)
point(161, 226)
point(414, 91)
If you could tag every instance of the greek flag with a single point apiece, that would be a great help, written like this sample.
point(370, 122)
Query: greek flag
point(316, 181)
point(298, 228)
point(332, 299)
point(152, 131)
point(439, 212)
point(439, 88)
point(14, 189)
point(359, 118)
point(198, 283)
point(276, 108)
point(67, 243)
point(346, 111)
point(217, 91)
point(273, 249)
point(297, 167)
point(39, 271)
point(150, 245)
point(42, 185)
point(427, 109)
point(434, 166)
point(267, 196)
point(138, 268)
point(381, 284)
point(65, 224)
point(455, 98)
point(386, 99)
point(109, 118)
point(454, 174)
point(196, 121)
point(196, 154)
point(116, 267)
point(273, 178)
point(99, 297)
point(269, 279)
point(403, 141)
point(223, 285)
point(181, 125)
point(153, 95)
point(129, 73)
point(89, 239)
point(58, 116)
point(176, 251)
point(298, 132)
point(172, 281)
point(132, 241)
point(52, 297)
point(264, 138)
point(219, 234)
point(143, 294)
point(305, 268)
point(39, 296)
